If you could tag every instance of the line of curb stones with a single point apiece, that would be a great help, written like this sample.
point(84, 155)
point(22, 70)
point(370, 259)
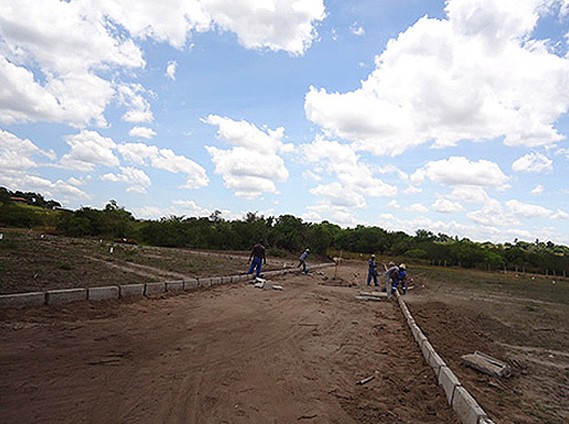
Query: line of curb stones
point(461, 401)
point(63, 296)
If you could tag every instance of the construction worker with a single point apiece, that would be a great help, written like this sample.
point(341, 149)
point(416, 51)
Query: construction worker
point(390, 274)
point(402, 278)
point(372, 271)
point(258, 258)
point(302, 262)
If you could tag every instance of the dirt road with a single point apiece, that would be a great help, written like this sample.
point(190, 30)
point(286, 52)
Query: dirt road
point(231, 354)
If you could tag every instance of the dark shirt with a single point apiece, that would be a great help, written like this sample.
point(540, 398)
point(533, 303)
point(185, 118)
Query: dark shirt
point(258, 251)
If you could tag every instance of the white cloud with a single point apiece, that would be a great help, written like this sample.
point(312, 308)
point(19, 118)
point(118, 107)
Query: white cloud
point(447, 206)
point(457, 171)
point(527, 210)
point(417, 207)
point(272, 24)
point(62, 61)
point(252, 167)
point(357, 30)
point(492, 215)
point(470, 194)
point(137, 179)
point(533, 162)
point(171, 69)
point(394, 204)
point(537, 190)
point(334, 194)
point(51, 36)
point(341, 215)
point(476, 75)
point(142, 132)
point(138, 108)
point(167, 160)
point(191, 208)
point(354, 179)
point(179, 208)
point(18, 154)
point(89, 149)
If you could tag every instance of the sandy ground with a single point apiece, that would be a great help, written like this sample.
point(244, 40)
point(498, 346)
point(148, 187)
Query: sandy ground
point(230, 354)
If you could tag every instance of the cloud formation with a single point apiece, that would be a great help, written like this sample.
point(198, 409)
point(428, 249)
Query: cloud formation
point(253, 165)
point(476, 75)
point(458, 170)
point(66, 61)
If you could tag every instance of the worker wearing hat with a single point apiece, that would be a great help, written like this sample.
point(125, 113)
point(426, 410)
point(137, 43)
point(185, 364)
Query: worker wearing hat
point(400, 277)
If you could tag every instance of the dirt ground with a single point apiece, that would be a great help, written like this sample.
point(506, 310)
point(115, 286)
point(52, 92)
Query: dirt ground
point(529, 334)
point(230, 354)
point(237, 354)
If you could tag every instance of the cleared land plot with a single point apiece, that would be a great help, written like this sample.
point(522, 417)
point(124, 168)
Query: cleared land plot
point(521, 319)
point(233, 354)
point(30, 262)
point(239, 354)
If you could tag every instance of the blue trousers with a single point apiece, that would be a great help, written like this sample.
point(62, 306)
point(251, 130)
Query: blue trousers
point(257, 262)
point(370, 275)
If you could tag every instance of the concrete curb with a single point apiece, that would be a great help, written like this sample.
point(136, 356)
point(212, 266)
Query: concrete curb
point(58, 297)
point(22, 300)
point(462, 402)
point(103, 293)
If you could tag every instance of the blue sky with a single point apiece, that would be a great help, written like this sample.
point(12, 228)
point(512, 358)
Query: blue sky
point(447, 116)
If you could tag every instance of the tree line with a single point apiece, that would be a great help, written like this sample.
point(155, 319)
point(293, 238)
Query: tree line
point(283, 234)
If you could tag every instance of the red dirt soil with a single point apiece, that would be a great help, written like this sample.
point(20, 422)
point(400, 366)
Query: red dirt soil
point(230, 354)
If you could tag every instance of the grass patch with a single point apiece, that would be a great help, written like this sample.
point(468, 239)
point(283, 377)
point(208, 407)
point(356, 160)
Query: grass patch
point(533, 287)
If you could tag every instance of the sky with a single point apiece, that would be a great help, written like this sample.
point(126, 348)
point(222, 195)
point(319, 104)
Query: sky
point(450, 116)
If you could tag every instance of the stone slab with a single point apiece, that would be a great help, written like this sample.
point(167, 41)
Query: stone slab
point(103, 293)
point(172, 286)
point(427, 350)
point(151, 289)
point(128, 290)
point(191, 284)
point(22, 300)
point(59, 297)
point(449, 382)
point(466, 407)
point(436, 362)
point(204, 282)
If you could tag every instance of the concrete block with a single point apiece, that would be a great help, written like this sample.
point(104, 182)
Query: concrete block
point(102, 293)
point(58, 297)
point(226, 280)
point(466, 407)
point(172, 286)
point(234, 278)
point(151, 289)
point(204, 282)
point(436, 362)
point(449, 382)
point(191, 284)
point(22, 300)
point(215, 281)
point(427, 350)
point(127, 290)
point(418, 334)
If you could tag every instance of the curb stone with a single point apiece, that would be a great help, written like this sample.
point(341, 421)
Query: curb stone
point(461, 401)
point(61, 296)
